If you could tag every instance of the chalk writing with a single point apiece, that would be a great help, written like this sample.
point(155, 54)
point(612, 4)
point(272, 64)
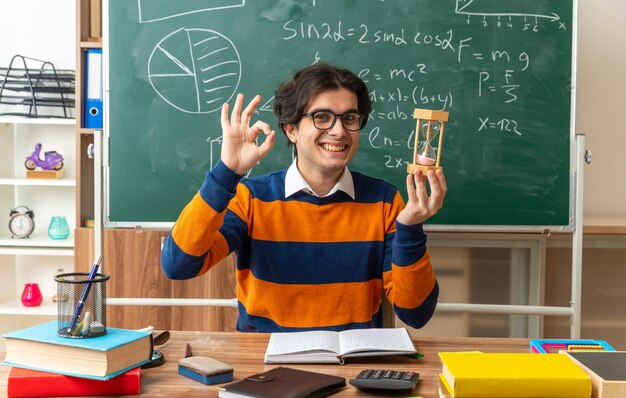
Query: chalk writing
point(502, 125)
point(502, 69)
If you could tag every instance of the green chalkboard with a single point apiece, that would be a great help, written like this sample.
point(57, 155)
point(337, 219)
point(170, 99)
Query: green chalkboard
point(502, 69)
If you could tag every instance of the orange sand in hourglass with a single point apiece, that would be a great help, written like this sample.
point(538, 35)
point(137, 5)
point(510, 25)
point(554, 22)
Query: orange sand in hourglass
point(427, 156)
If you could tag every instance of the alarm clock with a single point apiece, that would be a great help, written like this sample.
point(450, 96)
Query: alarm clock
point(21, 222)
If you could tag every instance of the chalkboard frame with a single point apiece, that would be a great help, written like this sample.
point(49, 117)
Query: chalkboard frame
point(567, 226)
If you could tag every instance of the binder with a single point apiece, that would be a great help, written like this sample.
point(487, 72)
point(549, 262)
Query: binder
point(93, 89)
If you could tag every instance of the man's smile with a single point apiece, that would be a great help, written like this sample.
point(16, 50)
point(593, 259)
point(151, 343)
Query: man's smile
point(334, 148)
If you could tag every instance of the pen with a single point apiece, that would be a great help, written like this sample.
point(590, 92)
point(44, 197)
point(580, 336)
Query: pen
point(83, 296)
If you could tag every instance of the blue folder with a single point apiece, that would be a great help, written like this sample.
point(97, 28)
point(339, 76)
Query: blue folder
point(93, 89)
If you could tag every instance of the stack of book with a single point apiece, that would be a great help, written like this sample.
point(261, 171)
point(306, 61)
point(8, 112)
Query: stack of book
point(60, 366)
point(515, 375)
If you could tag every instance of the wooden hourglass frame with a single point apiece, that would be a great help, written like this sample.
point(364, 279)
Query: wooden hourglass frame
point(429, 116)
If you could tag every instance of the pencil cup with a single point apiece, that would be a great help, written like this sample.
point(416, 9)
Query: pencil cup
point(81, 305)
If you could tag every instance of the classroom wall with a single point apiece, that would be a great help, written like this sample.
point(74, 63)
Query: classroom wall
point(42, 29)
point(601, 103)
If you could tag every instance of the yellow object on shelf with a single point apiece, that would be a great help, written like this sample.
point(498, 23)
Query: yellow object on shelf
point(48, 174)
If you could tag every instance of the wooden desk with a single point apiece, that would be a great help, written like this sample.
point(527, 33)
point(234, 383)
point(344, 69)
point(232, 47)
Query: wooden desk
point(245, 351)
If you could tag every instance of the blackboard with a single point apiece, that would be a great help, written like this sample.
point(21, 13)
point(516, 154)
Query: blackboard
point(502, 69)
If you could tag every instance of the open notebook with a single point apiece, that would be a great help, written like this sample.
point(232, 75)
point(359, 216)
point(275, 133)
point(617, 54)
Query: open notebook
point(333, 347)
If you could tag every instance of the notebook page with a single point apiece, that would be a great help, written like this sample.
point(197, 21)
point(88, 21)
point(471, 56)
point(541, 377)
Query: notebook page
point(286, 343)
point(375, 340)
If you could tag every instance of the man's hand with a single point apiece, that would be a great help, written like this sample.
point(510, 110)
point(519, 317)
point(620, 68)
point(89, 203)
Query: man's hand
point(420, 206)
point(240, 151)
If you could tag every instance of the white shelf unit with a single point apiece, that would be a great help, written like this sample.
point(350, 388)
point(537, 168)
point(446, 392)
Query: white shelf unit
point(36, 259)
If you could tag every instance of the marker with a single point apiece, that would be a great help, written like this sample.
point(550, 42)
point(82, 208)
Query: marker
point(83, 296)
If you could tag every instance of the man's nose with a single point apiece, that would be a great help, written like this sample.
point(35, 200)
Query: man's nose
point(337, 129)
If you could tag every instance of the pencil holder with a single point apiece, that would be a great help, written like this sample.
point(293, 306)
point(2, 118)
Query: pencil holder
point(81, 305)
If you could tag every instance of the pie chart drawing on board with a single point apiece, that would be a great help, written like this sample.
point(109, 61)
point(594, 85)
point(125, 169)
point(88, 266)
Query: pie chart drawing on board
point(195, 70)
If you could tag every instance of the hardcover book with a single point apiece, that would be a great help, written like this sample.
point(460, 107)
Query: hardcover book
point(33, 383)
point(324, 346)
point(103, 357)
point(607, 371)
point(282, 382)
point(472, 374)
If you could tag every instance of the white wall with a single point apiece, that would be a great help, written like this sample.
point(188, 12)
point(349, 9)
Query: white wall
point(601, 103)
point(42, 29)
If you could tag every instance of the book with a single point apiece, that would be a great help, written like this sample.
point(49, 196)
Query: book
point(33, 383)
point(283, 382)
point(607, 370)
point(472, 374)
point(544, 346)
point(103, 357)
point(323, 346)
point(444, 389)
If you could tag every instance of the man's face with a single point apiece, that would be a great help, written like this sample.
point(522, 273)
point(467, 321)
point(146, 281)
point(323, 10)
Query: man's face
point(325, 152)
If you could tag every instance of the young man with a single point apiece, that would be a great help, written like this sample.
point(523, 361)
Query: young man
point(315, 244)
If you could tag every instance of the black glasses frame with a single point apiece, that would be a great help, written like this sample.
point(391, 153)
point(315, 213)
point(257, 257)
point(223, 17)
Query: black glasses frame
point(335, 116)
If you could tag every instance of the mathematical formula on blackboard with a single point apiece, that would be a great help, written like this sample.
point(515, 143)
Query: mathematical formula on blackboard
point(502, 69)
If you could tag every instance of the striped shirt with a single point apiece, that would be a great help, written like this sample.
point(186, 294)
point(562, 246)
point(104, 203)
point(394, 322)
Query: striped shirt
point(305, 262)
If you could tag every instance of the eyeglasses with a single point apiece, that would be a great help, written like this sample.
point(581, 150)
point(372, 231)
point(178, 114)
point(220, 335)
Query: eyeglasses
point(325, 120)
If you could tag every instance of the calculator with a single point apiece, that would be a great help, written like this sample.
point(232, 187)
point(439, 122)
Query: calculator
point(386, 379)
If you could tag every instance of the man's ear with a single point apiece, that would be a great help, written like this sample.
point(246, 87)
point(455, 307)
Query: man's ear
point(290, 131)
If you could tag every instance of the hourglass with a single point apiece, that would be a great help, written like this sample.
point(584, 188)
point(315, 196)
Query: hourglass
point(428, 140)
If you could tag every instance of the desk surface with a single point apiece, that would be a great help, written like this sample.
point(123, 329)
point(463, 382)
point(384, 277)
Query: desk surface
point(245, 351)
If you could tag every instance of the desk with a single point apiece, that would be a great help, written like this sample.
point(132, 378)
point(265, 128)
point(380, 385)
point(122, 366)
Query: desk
point(245, 351)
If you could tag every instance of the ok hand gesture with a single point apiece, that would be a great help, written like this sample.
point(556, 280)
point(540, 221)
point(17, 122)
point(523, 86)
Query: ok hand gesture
point(420, 206)
point(240, 151)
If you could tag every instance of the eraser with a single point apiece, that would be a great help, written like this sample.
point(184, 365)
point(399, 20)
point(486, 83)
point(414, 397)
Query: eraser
point(205, 370)
point(96, 327)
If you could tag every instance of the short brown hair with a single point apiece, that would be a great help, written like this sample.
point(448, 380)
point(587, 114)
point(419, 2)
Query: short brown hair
point(291, 97)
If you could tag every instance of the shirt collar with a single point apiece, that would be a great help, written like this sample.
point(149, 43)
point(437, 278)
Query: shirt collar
point(294, 182)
